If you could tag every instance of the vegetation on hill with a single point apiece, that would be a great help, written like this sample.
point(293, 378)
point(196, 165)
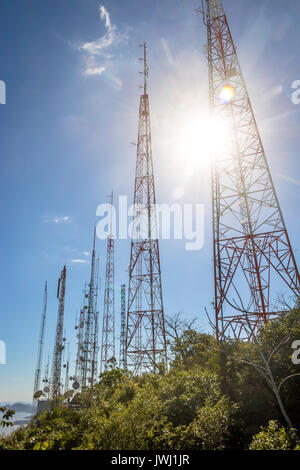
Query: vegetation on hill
point(213, 397)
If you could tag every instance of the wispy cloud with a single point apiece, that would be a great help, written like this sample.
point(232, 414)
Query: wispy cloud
point(289, 179)
point(86, 253)
point(94, 70)
point(167, 51)
point(112, 37)
point(58, 220)
point(79, 261)
point(98, 52)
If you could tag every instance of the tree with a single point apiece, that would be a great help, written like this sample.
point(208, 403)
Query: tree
point(6, 417)
point(273, 437)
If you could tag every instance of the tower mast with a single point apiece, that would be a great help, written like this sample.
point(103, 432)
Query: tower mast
point(79, 327)
point(145, 330)
point(37, 378)
point(108, 354)
point(46, 381)
point(253, 257)
point(88, 372)
point(96, 326)
point(122, 359)
point(59, 340)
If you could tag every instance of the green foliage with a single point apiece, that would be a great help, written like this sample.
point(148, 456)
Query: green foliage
point(213, 397)
point(193, 348)
point(41, 446)
point(273, 437)
point(6, 417)
point(175, 410)
point(243, 384)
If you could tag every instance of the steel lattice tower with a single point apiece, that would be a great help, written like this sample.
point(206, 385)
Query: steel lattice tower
point(80, 346)
point(90, 341)
point(37, 378)
point(122, 359)
point(108, 354)
point(59, 340)
point(67, 367)
point(145, 332)
point(253, 257)
point(96, 327)
point(46, 388)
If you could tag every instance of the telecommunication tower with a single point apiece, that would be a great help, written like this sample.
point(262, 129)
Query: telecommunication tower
point(108, 354)
point(90, 318)
point(79, 327)
point(96, 327)
point(46, 380)
point(67, 368)
point(145, 329)
point(122, 358)
point(253, 257)
point(56, 385)
point(37, 378)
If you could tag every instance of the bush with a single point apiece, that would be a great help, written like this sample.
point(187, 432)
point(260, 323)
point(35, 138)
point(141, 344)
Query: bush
point(273, 437)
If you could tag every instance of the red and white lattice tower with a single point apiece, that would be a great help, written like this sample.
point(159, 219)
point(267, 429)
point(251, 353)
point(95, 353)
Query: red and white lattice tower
point(253, 257)
point(108, 350)
point(90, 340)
point(145, 329)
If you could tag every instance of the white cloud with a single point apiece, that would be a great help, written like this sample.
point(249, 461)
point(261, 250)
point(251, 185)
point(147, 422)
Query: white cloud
point(79, 261)
point(58, 220)
point(112, 37)
point(101, 47)
point(86, 253)
point(94, 70)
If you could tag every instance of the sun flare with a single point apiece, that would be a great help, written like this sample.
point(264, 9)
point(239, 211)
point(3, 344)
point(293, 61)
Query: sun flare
point(202, 138)
point(227, 94)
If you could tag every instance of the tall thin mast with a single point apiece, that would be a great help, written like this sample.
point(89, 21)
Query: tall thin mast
point(108, 354)
point(88, 352)
point(59, 340)
point(96, 326)
point(37, 378)
point(122, 358)
point(46, 381)
point(67, 367)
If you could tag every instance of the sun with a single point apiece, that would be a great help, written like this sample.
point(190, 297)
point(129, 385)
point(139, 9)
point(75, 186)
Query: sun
point(201, 139)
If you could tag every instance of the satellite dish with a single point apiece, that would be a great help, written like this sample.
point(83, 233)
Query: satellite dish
point(46, 390)
point(76, 385)
point(38, 394)
point(68, 394)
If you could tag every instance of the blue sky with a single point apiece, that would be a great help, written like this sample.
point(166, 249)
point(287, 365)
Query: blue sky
point(65, 143)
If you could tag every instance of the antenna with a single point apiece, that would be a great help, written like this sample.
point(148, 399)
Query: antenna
point(146, 68)
point(37, 378)
point(122, 359)
point(108, 354)
point(59, 340)
point(90, 344)
point(145, 329)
